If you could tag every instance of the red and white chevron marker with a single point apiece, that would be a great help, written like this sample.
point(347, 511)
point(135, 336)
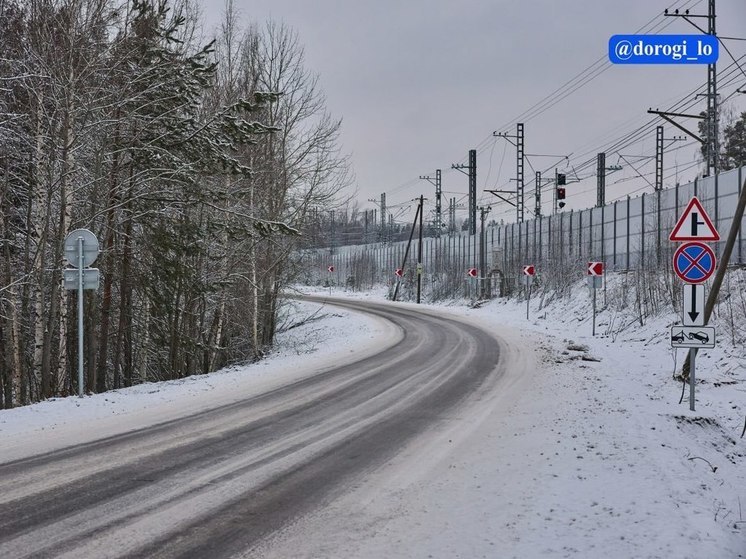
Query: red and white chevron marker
point(595, 268)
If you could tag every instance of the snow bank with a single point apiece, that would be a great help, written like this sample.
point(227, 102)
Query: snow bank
point(60, 422)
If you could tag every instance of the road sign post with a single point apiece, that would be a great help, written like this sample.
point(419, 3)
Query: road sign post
point(692, 359)
point(471, 285)
point(694, 262)
point(330, 269)
point(595, 272)
point(81, 265)
point(81, 250)
point(594, 313)
point(528, 273)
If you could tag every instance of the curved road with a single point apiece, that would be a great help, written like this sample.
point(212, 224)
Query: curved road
point(218, 483)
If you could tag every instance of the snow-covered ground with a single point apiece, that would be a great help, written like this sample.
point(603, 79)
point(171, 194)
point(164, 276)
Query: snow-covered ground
point(589, 454)
point(60, 422)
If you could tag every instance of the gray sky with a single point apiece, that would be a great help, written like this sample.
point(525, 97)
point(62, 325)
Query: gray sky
point(419, 83)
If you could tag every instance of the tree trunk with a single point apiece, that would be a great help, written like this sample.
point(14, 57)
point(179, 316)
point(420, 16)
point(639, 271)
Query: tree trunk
point(39, 225)
point(63, 377)
point(254, 287)
point(91, 339)
point(11, 335)
point(58, 300)
point(174, 363)
point(108, 266)
point(125, 307)
point(145, 343)
point(216, 334)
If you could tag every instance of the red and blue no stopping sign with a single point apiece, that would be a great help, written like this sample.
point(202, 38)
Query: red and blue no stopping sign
point(694, 262)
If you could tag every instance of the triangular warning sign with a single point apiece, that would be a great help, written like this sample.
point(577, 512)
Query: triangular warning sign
point(694, 224)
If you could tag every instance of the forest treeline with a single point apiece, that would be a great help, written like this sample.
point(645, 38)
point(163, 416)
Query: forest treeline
point(195, 162)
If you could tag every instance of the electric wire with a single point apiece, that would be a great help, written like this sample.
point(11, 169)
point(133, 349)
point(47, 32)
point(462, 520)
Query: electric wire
point(618, 143)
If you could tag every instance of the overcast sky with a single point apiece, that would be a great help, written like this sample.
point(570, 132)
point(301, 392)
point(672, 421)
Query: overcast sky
point(419, 83)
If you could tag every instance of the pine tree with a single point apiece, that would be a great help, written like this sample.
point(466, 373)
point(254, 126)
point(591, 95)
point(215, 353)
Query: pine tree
point(179, 149)
point(734, 149)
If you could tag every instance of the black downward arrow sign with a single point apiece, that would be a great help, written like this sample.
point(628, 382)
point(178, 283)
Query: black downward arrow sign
point(693, 313)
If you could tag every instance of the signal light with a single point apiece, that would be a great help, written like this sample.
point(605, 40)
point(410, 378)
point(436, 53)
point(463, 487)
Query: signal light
point(561, 205)
point(561, 179)
point(560, 194)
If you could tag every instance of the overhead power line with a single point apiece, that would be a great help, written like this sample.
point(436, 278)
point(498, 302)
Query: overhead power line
point(610, 142)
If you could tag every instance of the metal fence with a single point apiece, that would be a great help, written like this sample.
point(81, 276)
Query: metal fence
point(628, 234)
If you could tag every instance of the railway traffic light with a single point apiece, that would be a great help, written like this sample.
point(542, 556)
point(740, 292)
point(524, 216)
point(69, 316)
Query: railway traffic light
point(561, 197)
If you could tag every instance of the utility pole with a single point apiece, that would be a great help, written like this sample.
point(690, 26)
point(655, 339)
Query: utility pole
point(710, 141)
point(452, 216)
point(519, 164)
point(659, 149)
point(419, 252)
point(473, 190)
point(332, 243)
point(484, 291)
point(472, 173)
point(519, 159)
point(383, 216)
point(316, 227)
point(601, 169)
point(406, 252)
point(436, 181)
point(438, 206)
point(658, 158)
point(601, 180)
point(382, 204)
point(713, 145)
point(658, 186)
point(557, 186)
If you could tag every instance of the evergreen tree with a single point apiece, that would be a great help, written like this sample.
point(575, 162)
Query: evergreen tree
point(177, 150)
point(732, 141)
point(734, 148)
point(114, 118)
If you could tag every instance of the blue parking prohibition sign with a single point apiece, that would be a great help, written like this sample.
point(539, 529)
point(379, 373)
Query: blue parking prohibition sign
point(694, 262)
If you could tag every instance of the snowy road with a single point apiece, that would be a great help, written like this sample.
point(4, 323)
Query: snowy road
point(219, 483)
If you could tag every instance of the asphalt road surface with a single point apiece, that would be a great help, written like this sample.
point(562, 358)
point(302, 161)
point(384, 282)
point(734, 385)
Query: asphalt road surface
point(220, 483)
